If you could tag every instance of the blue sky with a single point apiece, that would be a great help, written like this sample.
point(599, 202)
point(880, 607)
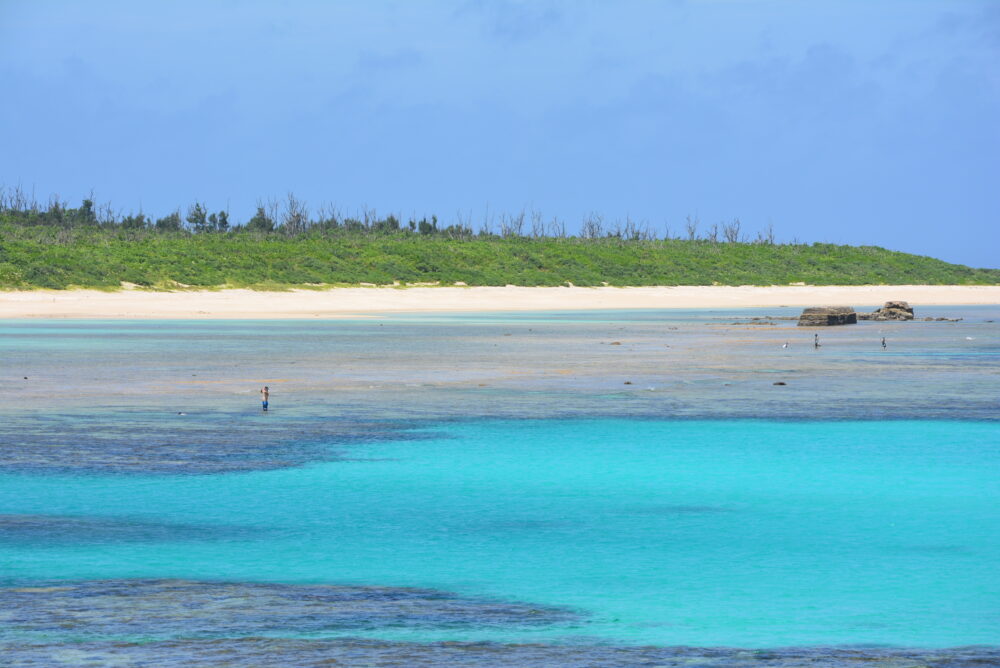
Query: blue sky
point(843, 121)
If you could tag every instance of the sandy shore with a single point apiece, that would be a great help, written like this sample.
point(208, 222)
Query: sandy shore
point(346, 302)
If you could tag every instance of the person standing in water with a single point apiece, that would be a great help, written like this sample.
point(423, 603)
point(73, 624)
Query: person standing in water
point(883, 343)
point(264, 394)
point(816, 341)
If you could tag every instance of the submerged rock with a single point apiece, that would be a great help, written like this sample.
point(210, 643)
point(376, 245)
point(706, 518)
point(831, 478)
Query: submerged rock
point(825, 316)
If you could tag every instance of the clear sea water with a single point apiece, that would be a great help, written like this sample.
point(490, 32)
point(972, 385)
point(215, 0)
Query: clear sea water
point(505, 458)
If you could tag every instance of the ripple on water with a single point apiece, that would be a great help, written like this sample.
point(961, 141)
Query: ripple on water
point(681, 510)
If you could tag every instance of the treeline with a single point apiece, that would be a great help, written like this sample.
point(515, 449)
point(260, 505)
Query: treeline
point(292, 216)
point(282, 245)
point(40, 257)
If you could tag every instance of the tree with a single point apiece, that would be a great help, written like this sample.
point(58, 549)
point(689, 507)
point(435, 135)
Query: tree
point(731, 231)
point(295, 218)
point(86, 215)
point(218, 222)
point(135, 222)
point(425, 227)
point(593, 227)
point(511, 226)
point(169, 223)
point(261, 222)
point(197, 218)
point(691, 227)
point(388, 225)
point(537, 224)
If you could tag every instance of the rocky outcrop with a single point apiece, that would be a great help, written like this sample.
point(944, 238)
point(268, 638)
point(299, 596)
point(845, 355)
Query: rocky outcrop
point(825, 316)
point(890, 311)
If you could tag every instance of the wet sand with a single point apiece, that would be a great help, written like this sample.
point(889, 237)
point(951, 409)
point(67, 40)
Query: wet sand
point(345, 302)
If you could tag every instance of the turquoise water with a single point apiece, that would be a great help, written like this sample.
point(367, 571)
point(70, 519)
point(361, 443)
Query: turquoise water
point(737, 533)
point(639, 477)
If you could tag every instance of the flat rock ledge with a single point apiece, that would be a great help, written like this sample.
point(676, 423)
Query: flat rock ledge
point(827, 316)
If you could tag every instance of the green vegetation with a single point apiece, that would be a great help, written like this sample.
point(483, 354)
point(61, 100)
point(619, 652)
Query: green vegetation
point(59, 247)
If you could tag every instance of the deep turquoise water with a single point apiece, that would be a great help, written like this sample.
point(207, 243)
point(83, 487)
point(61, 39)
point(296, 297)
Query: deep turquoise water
point(738, 533)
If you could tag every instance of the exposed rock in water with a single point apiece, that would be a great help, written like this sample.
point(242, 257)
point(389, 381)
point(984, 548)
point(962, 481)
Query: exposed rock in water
point(890, 311)
point(824, 316)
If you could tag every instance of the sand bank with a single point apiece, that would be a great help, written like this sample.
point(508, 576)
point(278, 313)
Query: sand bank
point(347, 302)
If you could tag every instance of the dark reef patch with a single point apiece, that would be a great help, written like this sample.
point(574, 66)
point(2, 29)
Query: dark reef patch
point(46, 530)
point(268, 652)
point(169, 609)
point(141, 442)
point(192, 624)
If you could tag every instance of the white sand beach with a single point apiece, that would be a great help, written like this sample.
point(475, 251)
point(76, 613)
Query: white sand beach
point(361, 301)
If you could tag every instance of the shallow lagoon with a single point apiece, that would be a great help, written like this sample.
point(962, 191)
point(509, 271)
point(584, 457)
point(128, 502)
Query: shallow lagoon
point(657, 532)
point(503, 458)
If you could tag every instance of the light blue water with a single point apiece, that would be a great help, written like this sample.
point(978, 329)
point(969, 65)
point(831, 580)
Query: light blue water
point(737, 533)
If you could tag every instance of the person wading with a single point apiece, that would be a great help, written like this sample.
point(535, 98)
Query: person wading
point(264, 394)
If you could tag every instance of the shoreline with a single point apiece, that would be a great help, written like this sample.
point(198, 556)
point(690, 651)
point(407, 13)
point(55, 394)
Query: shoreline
point(372, 301)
